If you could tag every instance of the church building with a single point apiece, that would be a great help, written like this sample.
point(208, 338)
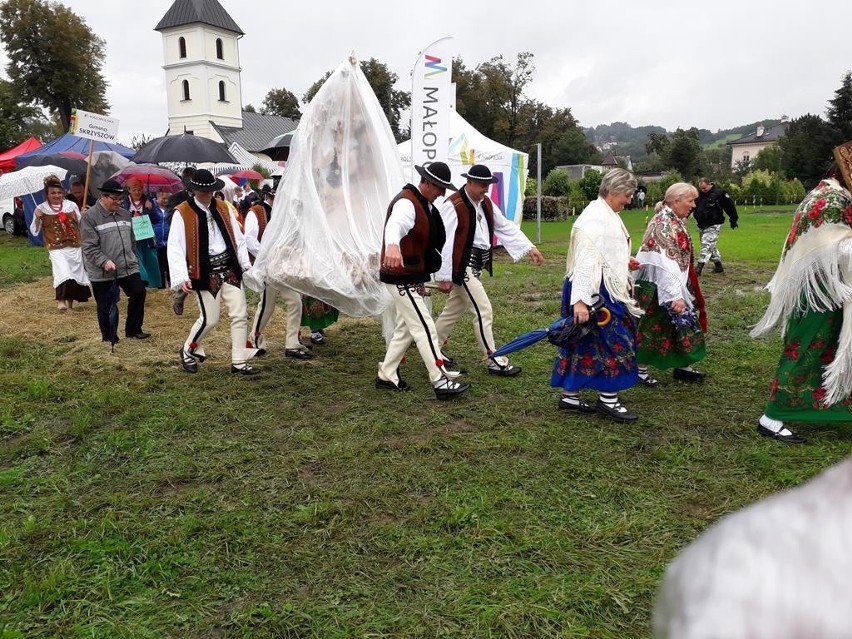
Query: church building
point(202, 64)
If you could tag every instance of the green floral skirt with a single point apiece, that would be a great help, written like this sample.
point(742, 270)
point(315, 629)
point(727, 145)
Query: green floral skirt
point(797, 393)
point(659, 342)
point(317, 314)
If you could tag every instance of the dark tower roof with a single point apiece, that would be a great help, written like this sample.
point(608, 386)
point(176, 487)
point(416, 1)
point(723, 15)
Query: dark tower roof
point(184, 12)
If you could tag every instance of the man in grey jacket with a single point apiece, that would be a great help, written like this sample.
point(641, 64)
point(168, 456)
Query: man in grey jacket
point(109, 254)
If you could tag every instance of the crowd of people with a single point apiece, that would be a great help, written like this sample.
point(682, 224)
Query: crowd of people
point(639, 311)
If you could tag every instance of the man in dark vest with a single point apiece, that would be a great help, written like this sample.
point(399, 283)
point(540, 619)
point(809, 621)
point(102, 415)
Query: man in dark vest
point(471, 221)
point(411, 252)
point(207, 257)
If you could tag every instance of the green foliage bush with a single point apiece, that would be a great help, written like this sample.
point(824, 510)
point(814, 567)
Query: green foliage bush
point(557, 182)
point(590, 183)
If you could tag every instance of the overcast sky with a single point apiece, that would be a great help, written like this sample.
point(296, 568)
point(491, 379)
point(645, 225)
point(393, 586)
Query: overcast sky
point(668, 63)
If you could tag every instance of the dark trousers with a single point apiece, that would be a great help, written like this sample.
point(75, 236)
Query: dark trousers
point(163, 260)
point(135, 291)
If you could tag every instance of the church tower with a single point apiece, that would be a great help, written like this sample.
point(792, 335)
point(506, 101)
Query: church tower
point(202, 65)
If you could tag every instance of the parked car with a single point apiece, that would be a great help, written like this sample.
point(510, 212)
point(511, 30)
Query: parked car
point(12, 212)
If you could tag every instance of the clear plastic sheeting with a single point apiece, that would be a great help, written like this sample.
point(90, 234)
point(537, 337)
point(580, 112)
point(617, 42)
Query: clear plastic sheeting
point(325, 235)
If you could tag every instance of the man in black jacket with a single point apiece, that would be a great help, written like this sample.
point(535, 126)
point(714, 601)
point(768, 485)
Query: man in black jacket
point(710, 208)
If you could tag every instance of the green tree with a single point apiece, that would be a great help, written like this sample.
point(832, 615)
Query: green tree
point(684, 154)
point(806, 149)
point(768, 159)
point(281, 102)
point(382, 80)
point(557, 182)
point(839, 111)
point(54, 57)
point(19, 121)
point(590, 183)
point(250, 108)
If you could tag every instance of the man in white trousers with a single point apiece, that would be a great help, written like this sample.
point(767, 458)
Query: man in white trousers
point(207, 256)
point(411, 252)
point(471, 221)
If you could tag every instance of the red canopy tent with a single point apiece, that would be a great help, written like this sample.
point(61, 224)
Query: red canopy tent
point(7, 159)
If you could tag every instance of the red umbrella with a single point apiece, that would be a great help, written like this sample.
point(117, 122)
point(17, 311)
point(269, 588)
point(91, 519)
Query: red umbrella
point(158, 177)
point(249, 174)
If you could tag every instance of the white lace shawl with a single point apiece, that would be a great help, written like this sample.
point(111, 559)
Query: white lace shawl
point(600, 252)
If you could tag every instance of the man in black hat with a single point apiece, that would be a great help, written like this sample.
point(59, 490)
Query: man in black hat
point(208, 256)
point(471, 221)
point(411, 252)
point(109, 254)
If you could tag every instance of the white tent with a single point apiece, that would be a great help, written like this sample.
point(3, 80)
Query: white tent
point(468, 147)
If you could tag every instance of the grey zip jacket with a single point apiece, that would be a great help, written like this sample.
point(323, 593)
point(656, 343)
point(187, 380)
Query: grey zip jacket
point(108, 236)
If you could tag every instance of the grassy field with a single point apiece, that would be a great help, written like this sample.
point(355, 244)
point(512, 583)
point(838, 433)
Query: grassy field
point(139, 501)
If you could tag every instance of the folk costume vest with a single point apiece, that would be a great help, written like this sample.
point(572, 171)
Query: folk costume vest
point(262, 216)
point(60, 231)
point(421, 247)
point(197, 241)
point(466, 230)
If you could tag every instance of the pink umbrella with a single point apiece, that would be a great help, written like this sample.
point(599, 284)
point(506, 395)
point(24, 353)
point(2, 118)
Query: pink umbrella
point(158, 177)
point(249, 174)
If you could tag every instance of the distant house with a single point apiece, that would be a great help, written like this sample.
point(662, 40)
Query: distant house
point(610, 161)
point(203, 85)
point(747, 147)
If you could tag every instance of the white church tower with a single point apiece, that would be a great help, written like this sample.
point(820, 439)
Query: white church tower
point(202, 65)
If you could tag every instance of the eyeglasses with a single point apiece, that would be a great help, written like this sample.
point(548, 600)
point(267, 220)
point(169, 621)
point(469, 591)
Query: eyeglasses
point(113, 197)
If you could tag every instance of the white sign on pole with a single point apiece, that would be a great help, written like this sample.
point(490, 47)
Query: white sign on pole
point(431, 97)
point(94, 126)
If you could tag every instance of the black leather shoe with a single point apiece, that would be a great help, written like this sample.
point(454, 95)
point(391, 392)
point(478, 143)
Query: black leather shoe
point(245, 369)
point(718, 268)
point(189, 363)
point(177, 307)
point(648, 381)
point(580, 406)
point(448, 389)
point(298, 353)
point(685, 375)
point(449, 362)
point(384, 384)
point(617, 411)
point(140, 335)
point(504, 371)
point(792, 438)
point(318, 338)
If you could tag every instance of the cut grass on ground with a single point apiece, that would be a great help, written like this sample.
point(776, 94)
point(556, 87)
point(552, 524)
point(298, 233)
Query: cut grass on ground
point(139, 501)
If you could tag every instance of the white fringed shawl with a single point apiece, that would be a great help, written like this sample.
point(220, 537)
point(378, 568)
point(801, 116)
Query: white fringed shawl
point(816, 274)
point(600, 252)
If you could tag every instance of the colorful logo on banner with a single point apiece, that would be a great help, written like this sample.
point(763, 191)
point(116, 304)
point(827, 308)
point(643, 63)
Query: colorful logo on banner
point(433, 66)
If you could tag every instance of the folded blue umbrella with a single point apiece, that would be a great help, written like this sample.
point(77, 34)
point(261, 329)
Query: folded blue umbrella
point(562, 333)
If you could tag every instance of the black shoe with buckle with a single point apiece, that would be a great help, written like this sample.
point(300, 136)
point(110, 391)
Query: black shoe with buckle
point(617, 411)
point(318, 338)
point(504, 371)
point(244, 369)
point(579, 405)
point(790, 438)
point(448, 389)
point(189, 363)
point(384, 384)
point(688, 375)
point(648, 381)
point(298, 353)
point(140, 335)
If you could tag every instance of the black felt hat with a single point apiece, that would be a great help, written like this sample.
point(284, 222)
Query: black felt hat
point(204, 181)
point(480, 173)
point(438, 174)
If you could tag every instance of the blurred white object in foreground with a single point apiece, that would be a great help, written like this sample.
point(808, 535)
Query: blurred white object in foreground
point(779, 569)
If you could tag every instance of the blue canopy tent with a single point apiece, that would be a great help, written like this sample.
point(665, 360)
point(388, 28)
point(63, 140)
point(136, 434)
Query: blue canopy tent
point(67, 142)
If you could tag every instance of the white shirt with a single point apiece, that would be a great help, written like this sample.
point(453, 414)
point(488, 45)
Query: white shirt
point(252, 230)
point(400, 221)
point(510, 235)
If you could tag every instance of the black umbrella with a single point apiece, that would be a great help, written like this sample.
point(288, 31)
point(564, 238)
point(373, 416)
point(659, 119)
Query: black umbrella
point(278, 148)
point(183, 148)
point(114, 295)
point(74, 165)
